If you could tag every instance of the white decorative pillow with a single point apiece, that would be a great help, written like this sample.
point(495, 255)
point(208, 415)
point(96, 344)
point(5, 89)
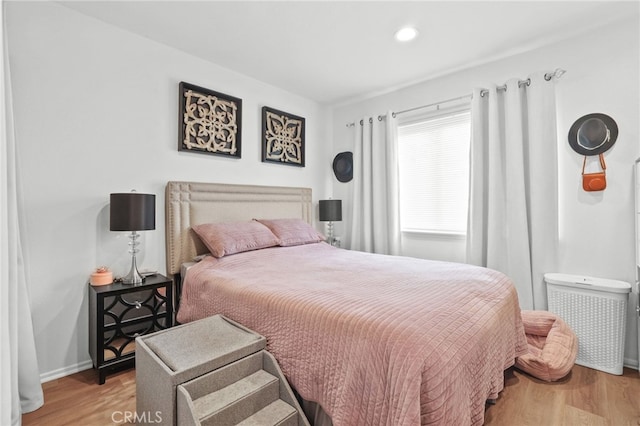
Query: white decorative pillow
point(234, 237)
point(292, 232)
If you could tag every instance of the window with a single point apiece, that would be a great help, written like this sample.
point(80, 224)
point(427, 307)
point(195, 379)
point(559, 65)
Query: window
point(433, 154)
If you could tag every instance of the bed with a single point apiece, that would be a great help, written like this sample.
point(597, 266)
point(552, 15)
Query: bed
point(367, 339)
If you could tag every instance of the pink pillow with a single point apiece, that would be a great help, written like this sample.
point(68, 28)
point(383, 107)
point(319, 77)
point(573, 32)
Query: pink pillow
point(292, 232)
point(234, 237)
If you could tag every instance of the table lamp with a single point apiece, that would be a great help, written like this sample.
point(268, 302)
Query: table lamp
point(133, 212)
point(330, 211)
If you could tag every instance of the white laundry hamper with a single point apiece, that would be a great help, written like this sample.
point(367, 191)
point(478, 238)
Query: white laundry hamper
point(596, 310)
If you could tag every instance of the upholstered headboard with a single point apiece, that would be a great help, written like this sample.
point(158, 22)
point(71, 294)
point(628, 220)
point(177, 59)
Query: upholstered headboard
point(191, 203)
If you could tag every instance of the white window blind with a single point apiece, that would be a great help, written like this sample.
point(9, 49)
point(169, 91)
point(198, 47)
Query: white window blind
point(434, 173)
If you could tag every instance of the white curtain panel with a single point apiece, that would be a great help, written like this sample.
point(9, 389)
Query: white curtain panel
point(20, 389)
point(513, 204)
point(375, 218)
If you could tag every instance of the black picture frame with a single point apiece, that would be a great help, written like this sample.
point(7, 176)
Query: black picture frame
point(283, 137)
point(209, 122)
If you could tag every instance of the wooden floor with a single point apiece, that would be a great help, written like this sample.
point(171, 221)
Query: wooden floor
point(78, 399)
point(585, 397)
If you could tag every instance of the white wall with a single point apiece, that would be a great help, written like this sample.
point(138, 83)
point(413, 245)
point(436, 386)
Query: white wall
point(96, 112)
point(596, 229)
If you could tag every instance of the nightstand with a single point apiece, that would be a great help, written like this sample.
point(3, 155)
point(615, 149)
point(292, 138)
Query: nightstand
point(118, 313)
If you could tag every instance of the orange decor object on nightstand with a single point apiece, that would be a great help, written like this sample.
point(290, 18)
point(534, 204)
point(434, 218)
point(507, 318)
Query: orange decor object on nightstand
point(101, 276)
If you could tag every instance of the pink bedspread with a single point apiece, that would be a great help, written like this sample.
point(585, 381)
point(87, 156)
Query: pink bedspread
point(376, 340)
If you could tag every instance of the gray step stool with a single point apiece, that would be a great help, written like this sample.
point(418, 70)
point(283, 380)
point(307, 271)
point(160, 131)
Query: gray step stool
point(211, 372)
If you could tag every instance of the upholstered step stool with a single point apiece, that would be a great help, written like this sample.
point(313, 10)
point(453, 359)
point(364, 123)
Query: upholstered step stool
point(220, 398)
point(211, 372)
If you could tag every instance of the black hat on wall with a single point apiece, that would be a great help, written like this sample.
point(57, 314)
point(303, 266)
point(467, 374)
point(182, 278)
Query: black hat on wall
point(343, 166)
point(593, 134)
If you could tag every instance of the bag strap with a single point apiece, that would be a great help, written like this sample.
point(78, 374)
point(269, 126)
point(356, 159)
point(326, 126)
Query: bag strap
point(602, 163)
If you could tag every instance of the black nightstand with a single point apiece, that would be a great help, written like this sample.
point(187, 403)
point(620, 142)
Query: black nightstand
point(118, 313)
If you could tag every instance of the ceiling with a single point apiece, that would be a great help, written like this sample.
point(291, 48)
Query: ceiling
point(337, 51)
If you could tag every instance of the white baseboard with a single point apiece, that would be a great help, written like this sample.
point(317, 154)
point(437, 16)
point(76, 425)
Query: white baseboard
point(631, 363)
point(65, 371)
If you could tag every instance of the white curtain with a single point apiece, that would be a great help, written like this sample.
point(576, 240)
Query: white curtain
point(513, 204)
point(20, 389)
point(375, 218)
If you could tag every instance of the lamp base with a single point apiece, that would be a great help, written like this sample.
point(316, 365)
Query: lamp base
point(330, 238)
point(133, 277)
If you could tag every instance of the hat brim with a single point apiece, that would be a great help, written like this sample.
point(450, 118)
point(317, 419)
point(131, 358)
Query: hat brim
point(608, 122)
point(343, 166)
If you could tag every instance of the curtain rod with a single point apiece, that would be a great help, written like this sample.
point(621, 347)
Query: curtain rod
point(557, 73)
point(436, 104)
point(381, 117)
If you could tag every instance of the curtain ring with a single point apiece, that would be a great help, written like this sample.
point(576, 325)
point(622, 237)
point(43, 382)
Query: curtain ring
point(528, 81)
point(548, 76)
point(379, 118)
point(370, 120)
point(393, 114)
point(361, 122)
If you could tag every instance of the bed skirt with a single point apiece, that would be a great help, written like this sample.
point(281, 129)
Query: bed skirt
point(314, 412)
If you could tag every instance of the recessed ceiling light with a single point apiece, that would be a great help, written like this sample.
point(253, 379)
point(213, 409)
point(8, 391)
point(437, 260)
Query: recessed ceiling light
point(406, 34)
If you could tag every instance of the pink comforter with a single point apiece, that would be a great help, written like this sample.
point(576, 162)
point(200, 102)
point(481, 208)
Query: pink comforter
point(375, 340)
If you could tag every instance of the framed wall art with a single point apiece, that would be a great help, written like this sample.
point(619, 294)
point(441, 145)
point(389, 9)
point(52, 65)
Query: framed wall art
point(209, 122)
point(282, 137)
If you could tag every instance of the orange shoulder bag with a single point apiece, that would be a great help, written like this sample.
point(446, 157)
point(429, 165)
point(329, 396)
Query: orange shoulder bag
point(594, 181)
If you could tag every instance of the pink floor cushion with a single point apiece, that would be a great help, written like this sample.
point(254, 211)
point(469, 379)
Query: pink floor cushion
point(553, 346)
